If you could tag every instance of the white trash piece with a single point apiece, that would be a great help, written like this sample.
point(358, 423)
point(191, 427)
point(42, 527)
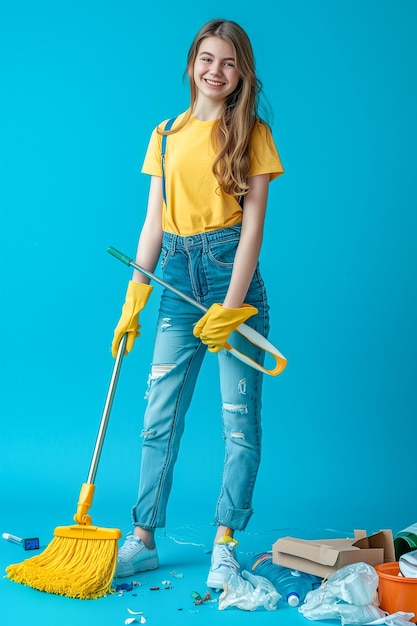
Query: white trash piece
point(248, 592)
point(408, 564)
point(350, 595)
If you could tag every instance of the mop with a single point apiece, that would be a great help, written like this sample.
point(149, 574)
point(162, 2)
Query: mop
point(81, 560)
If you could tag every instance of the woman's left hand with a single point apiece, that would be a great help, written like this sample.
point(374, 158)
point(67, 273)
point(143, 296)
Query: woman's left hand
point(218, 322)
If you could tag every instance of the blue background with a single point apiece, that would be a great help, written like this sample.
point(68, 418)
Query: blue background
point(82, 86)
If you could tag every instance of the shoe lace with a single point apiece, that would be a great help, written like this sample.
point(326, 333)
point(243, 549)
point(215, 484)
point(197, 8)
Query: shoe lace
point(129, 545)
point(227, 557)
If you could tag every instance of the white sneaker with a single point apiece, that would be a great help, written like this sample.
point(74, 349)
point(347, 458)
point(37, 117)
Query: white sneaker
point(135, 557)
point(223, 562)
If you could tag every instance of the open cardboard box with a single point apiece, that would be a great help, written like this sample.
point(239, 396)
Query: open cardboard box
point(322, 557)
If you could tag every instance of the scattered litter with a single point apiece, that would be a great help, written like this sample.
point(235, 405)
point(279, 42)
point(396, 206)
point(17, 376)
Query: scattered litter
point(124, 587)
point(133, 620)
point(176, 574)
point(27, 544)
point(166, 582)
point(195, 595)
point(154, 588)
point(199, 599)
point(206, 598)
point(120, 589)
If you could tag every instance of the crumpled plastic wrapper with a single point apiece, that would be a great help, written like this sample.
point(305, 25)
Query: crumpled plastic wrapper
point(351, 596)
point(248, 592)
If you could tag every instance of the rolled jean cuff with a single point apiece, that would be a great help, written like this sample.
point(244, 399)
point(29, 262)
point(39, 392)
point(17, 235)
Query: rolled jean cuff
point(237, 519)
point(145, 525)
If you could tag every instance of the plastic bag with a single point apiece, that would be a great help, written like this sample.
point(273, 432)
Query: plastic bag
point(355, 584)
point(400, 618)
point(346, 613)
point(349, 595)
point(248, 592)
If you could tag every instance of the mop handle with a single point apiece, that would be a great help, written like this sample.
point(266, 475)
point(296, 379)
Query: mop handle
point(252, 335)
point(106, 411)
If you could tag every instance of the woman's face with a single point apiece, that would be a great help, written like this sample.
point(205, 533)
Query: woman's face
point(215, 73)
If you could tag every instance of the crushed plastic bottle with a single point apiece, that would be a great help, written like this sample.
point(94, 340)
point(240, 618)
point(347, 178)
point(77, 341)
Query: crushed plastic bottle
point(291, 584)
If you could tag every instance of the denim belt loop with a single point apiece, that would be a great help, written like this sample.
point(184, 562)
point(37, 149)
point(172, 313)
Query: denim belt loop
point(173, 244)
point(169, 240)
point(204, 241)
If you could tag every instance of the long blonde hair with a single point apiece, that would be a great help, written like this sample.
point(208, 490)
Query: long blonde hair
point(232, 133)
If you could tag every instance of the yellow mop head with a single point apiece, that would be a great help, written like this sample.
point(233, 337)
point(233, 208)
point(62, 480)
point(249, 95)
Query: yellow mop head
point(80, 561)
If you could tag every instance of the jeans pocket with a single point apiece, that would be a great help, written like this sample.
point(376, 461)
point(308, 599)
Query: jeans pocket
point(222, 253)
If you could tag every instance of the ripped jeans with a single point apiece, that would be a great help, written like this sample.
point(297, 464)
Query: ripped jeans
point(201, 266)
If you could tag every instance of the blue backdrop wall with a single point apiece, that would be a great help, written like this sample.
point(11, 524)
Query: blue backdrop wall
point(82, 86)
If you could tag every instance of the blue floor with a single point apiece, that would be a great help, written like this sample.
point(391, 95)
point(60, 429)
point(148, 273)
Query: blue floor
point(184, 555)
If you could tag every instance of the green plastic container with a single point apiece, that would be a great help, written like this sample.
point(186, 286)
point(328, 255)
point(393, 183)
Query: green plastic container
point(405, 541)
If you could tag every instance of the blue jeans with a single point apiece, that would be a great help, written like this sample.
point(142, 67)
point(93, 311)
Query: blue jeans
point(201, 267)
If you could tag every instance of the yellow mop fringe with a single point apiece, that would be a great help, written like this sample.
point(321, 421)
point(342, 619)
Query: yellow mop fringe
point(73, 567)
point(80, 562)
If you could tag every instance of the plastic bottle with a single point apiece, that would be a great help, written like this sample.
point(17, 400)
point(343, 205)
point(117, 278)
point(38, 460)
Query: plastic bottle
point(291, 584)
point(405, 541)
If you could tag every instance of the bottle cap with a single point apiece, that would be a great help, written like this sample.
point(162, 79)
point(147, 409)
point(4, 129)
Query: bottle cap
point(293, 599)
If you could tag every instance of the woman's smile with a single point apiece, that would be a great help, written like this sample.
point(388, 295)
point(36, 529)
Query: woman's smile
point(215, 73)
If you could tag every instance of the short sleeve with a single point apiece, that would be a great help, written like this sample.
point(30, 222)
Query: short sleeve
point(264, 154)
point(152, 162)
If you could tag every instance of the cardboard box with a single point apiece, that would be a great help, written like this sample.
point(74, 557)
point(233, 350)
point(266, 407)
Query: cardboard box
point(322, 557)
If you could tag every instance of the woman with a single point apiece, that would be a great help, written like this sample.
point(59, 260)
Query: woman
point(206, 212)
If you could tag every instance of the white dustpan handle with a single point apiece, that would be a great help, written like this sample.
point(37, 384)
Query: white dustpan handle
point(259, 340)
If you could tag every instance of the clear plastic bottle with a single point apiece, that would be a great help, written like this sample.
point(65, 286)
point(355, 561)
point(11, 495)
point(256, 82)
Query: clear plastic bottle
point(405, 541)
point(291, 584)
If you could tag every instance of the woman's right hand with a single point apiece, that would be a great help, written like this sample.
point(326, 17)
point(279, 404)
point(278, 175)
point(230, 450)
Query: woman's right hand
point(136, 298)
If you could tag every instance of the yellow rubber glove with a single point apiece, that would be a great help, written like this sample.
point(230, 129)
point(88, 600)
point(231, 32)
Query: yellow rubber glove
point(136, 298)
point(217, 323)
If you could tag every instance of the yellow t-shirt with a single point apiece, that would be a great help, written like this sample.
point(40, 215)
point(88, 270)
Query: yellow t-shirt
point(195, 202)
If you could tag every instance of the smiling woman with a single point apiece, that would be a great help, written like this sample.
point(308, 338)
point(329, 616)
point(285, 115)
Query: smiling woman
point(218, 152)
